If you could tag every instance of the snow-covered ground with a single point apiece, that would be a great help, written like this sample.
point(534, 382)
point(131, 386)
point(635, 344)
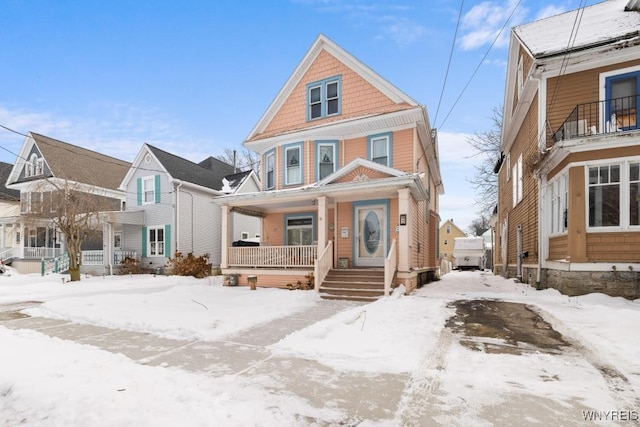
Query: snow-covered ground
point(49, 381)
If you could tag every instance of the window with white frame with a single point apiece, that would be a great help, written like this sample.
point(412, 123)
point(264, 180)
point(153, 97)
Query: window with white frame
point(156, 241)
point(35, 166)
point(270, 160)
point(604, 196)
point(380, 149)
point(558, 194)
point(324, 98)
point(149, 189)
point(244, 235)
point(293, 164)
point(634, 193)
point(326, 158)
point(516, 184)
point(448, 229)
point(299, 230)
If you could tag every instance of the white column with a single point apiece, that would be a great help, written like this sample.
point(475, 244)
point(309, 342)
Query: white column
point(226, 237)
point(404, 235)
point(322, 223)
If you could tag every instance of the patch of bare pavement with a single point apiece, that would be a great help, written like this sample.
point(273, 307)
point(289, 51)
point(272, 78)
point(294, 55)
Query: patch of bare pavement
point(509, 330)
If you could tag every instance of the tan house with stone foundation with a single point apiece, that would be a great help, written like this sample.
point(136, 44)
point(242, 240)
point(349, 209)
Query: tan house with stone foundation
point(569, 177)
point(350, 183)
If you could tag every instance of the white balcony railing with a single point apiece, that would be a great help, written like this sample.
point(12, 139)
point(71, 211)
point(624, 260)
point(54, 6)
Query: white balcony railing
point(324, 263)
point(273, 256)
point(39, 253)
point(390, 266)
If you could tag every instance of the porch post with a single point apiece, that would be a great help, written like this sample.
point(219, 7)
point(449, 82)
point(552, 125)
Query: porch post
point(322, 223)
point(107, 246)
point(404, 230)
point(225, 238)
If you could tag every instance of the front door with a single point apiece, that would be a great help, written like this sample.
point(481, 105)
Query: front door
point(371, 235)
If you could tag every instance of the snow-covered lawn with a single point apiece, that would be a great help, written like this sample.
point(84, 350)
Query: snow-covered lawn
point(48, 381)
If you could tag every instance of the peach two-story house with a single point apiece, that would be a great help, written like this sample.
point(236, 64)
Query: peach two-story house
point(350, 180)
point(569, 178)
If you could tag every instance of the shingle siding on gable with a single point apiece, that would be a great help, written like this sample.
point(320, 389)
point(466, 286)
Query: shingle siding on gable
point(358, 97)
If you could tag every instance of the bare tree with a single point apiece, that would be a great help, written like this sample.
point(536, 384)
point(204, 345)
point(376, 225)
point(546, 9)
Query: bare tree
point(486, 146)
point(479, 226)
point(244, 160)
point(74, 211)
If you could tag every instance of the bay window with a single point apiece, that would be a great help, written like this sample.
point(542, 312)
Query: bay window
point(614, 195)
point(293, 164)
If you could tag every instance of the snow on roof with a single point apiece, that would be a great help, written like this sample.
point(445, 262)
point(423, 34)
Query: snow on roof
point(600, 23)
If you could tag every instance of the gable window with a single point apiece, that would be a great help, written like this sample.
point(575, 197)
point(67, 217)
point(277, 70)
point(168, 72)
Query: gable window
point(621, 92)
point(516, 184)
point(324, 98)
point(34, 167)
point(293, 164)
point(270, 160)
point(448, 229)
point(156, 241)
point(299, 230)
point(380, 149)
point(326, 157)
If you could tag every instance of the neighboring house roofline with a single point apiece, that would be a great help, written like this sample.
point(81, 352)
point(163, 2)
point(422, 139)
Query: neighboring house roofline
point(6, 193)
point(324, 43)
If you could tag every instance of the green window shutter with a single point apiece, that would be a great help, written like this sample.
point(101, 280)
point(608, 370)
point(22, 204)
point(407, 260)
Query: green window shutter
point(167, 240)
point(139, 191)
point(144, 241)
point(157, 192)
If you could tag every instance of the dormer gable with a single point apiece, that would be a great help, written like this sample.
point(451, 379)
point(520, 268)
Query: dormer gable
point(329, 85)
point(360, 170)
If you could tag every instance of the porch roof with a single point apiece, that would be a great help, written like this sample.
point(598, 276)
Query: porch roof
point(280, 200)
point(124, 217)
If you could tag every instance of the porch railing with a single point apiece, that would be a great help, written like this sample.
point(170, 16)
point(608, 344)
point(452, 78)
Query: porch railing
point(58, 264)
point(39, 253)
point(390, 266)
point(324, 263)
point(97, 257)
point(600, 117)
point(273, 256)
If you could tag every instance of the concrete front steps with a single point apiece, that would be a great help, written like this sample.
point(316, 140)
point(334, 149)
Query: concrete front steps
point(354, 284)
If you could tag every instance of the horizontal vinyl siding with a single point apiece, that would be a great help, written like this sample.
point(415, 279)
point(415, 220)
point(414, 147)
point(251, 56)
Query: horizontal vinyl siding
point(558, 249)
point(613, 247)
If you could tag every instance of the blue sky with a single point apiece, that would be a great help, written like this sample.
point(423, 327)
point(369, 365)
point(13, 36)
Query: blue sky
point(194, 77)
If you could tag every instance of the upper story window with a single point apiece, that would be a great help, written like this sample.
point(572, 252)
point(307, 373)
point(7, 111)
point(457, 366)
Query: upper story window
point(35, 166)
point(269, 170)
point(621, 93)
point(324, 98)
point(292, 164)
point(149, 190)
point(448, 229)
point(516, 176)
point(379, 149)
point(326, 158)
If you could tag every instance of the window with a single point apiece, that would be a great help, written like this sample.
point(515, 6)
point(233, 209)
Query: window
point(149, 189)
point(244, 235)
point(520, 76)
point(270, 161)
point(516, 184)
point(323, 98)
point(299, 230)
point(604, 196)
point(621, 91)
point(448, 229)
point(156, 241)
point(558, 194)
point(326, 157)
point(117, 240)
point(446, 242)
point(634, 194)
point(34, 167)
point(380, 149)
point(293, 164)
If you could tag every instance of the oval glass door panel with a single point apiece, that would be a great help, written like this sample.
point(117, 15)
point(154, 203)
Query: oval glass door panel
point(371, 232)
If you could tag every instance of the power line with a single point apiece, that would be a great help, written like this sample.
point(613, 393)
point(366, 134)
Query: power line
point(446, 74)
point(481, 62)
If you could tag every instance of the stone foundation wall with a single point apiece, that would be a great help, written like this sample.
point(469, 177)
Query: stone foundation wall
point(615, 283)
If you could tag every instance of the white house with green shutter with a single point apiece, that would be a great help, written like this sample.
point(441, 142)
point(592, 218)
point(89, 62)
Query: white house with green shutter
point(171, 200)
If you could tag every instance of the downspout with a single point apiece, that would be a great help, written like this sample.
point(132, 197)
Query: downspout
point(176, 226)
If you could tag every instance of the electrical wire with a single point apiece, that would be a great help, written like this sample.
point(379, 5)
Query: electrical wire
point(481, 62)
point(446, 74)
